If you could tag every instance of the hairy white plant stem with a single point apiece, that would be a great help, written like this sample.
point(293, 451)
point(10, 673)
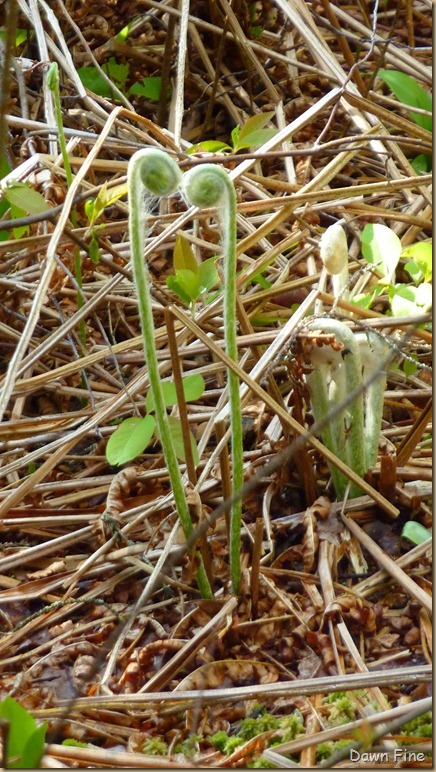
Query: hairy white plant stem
point(205, 186)
point(154, 172)
point(345, 434)
point(374, 355)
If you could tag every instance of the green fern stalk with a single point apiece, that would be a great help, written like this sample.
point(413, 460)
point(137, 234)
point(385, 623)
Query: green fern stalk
point(205, 186)
point(152, 171)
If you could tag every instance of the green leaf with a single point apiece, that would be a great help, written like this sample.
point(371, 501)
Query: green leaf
point(234, 136)
point(193, 388)
point(208, 275)
point(21, 36)
point(16, 212)
point(89, 207)
point(407, 299)
point(130, 439)
point(382, 248)
point(409, 368)
point(94, 81)
point(117, 72)
point(94, 249)
point(254, 123)
point(415, 532)
point(421, 264)
point(33, 749)
point(366, 301)
point(105, 197)
point(259, 278)
point(209, 146)
point(25, 740)
point(23, 196)
point(5, 168)
point(174, 286)
point(183, 257)
point(189, 284)
point(421, 163)
point(409, 92)
point(124, 32)
point(252, 133)
point(150, 88)
point(52, 76)
point(177, 436)
point(255, 139)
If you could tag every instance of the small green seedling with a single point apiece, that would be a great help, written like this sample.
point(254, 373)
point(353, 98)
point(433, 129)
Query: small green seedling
point(382, 249)
point(23, 739)
point(191, 279)
point(411, 94)
point(94, 207)
point(92, 79)
point(134, 434)
point(251, 135)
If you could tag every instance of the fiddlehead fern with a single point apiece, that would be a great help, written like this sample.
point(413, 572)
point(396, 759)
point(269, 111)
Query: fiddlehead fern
point(152, 171)
point(205, 186)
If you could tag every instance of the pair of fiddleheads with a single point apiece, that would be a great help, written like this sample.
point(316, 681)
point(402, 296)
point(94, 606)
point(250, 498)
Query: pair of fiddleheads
point(152, 171)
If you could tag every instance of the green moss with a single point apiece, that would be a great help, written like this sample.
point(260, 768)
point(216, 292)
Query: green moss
point(155, 747)
point(292, 726)
point(188, 746)
point(422, 726)
point(261, 763)
point(341, 708)
point(325, 750)
point(251, 727)
point(224, 743)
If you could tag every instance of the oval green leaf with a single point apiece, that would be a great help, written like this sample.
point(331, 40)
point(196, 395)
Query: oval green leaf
point(23, 196)
point(208, 275)
point(407, 299)
point(177, 437)
point(130, 439)
point(193, 388)
point(25, 740)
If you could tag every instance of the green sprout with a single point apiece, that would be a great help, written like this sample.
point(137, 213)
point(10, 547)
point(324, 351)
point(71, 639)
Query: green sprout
point(133, 435)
